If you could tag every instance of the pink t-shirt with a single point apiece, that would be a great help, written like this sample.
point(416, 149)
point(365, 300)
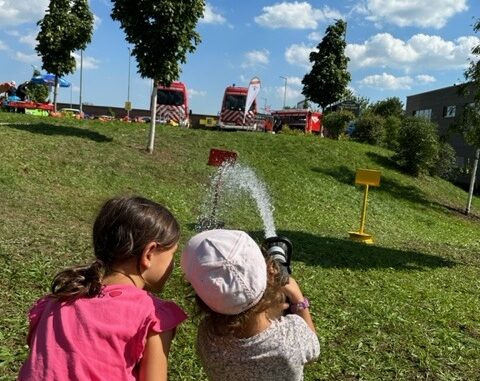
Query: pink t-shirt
point(101, 338)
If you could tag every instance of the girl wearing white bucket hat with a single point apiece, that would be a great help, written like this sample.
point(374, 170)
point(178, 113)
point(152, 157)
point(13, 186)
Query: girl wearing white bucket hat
point(243, 334)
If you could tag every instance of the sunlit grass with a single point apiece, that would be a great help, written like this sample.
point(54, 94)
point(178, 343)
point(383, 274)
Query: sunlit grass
point(405, 308)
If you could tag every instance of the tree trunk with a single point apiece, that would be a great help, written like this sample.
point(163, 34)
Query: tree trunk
point(472, 181)
point(153, 117)
point(55, 89)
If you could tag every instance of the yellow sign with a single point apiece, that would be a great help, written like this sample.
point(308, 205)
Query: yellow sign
point(128, 106)
point(368, 177)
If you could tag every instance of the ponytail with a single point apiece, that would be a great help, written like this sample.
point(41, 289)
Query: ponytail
point(79, 281)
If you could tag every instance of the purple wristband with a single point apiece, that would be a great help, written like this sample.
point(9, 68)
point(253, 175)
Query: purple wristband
point(295, 307)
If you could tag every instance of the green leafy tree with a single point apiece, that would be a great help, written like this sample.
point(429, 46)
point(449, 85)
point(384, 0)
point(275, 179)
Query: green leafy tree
point(392, 131)
point(388, 107)
point(447, 162)
point(162, 33)
point(66, 27)
point(327, 81)
point(370, 128)
point(336, 122)
point(363, 102)
point(418, 146)
point(469, 123)
point(37, 92)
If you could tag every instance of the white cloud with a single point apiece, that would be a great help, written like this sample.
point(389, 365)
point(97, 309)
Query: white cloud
point(386, 81)
point(196, 93)
point(210, 17)
point(315, 37)
point(425, 78)
point(431, 13)
point(15, 12)
point(3, 45)
point(419, 52)
point(255, 58)
point(88, 62)
point(97, 21)
point(296, 15)
point(27, 58)
point(29, 39)
point(294, 81)
point(299, 54)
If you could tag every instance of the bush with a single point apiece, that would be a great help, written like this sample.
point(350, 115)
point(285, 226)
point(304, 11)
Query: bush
point(447, 162)
point(369, 128)
point(418, 146)
point(392, 129)
point(335, 123)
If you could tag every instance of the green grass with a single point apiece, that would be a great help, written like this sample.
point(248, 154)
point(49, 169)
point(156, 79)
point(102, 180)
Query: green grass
point(405, 308)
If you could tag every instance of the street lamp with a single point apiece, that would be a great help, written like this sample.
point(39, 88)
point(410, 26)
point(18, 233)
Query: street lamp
point(80, 105)
point(284, 92)
point(128, 90)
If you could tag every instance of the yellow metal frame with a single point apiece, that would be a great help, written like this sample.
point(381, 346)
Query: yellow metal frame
point(367, 177)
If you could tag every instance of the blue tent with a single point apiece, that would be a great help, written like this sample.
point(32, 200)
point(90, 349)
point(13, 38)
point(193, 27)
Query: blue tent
point(49, 80)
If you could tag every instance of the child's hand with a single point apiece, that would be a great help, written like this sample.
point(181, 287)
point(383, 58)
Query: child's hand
point(292, 291)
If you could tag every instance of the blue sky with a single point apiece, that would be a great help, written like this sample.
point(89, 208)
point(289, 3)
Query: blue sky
point(396, 48)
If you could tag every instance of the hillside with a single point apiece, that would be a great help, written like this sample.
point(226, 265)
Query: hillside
point(404, 308)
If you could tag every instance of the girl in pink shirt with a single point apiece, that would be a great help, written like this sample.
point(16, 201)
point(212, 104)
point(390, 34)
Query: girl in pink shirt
point(100, 322)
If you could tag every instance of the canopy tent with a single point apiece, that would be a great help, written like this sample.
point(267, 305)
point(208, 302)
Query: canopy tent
point(49, 80)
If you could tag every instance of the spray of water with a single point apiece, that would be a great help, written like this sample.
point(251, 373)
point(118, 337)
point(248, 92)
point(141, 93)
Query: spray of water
point(234, 180)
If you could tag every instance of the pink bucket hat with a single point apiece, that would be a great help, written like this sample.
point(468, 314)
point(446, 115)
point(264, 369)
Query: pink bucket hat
point(226, 269)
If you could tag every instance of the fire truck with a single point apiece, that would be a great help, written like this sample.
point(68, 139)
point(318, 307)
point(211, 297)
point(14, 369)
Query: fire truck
point(304, 119)
point(232, 113)
point(172, 104)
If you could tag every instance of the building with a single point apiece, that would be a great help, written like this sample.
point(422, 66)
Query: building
point(443, 107)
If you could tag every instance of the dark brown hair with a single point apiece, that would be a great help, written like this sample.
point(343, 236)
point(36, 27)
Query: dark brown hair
point(122, 229)
point(224, 325)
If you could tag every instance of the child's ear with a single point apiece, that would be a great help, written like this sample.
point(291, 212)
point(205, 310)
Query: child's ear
point(147, 254)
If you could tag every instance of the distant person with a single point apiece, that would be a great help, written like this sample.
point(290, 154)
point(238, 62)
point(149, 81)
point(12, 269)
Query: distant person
point(99, 322)
point(243, 335)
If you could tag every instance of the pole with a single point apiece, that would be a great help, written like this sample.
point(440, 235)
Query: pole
point(284, 92)
point(128, 91)
point(472, 181)
point(364, 210)
point(80, 105)
point(71, 94)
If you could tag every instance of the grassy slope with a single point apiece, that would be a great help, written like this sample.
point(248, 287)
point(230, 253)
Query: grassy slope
point(405, 308)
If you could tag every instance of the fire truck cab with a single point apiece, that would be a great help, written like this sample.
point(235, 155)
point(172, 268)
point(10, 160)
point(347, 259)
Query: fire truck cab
point(232, 114)
point(304, 119)
point(172, 104)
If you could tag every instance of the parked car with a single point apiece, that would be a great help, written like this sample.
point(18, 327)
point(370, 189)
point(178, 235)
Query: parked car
point(72, 112)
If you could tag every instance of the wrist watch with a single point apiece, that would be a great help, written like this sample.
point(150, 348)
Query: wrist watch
point(295, 307)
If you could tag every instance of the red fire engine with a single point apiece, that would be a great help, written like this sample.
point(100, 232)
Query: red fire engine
point(232, 113)
point(172, 104)
point(306, 120)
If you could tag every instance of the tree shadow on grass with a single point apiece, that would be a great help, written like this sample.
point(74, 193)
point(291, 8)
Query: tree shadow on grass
point(329, 252)
point(384, 162)
point(52, 129)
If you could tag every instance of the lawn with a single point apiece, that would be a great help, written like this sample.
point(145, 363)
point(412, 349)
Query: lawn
point(405, 308)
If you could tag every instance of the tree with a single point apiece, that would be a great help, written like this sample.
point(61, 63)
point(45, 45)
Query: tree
point(418, 146)
point(469, 123)
point(388, 107)
point(327, 81)
point(162, 33)
point(67, 26)
point(369, 128)
point(363, 102)
point(37, 92)
point(336, 122)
